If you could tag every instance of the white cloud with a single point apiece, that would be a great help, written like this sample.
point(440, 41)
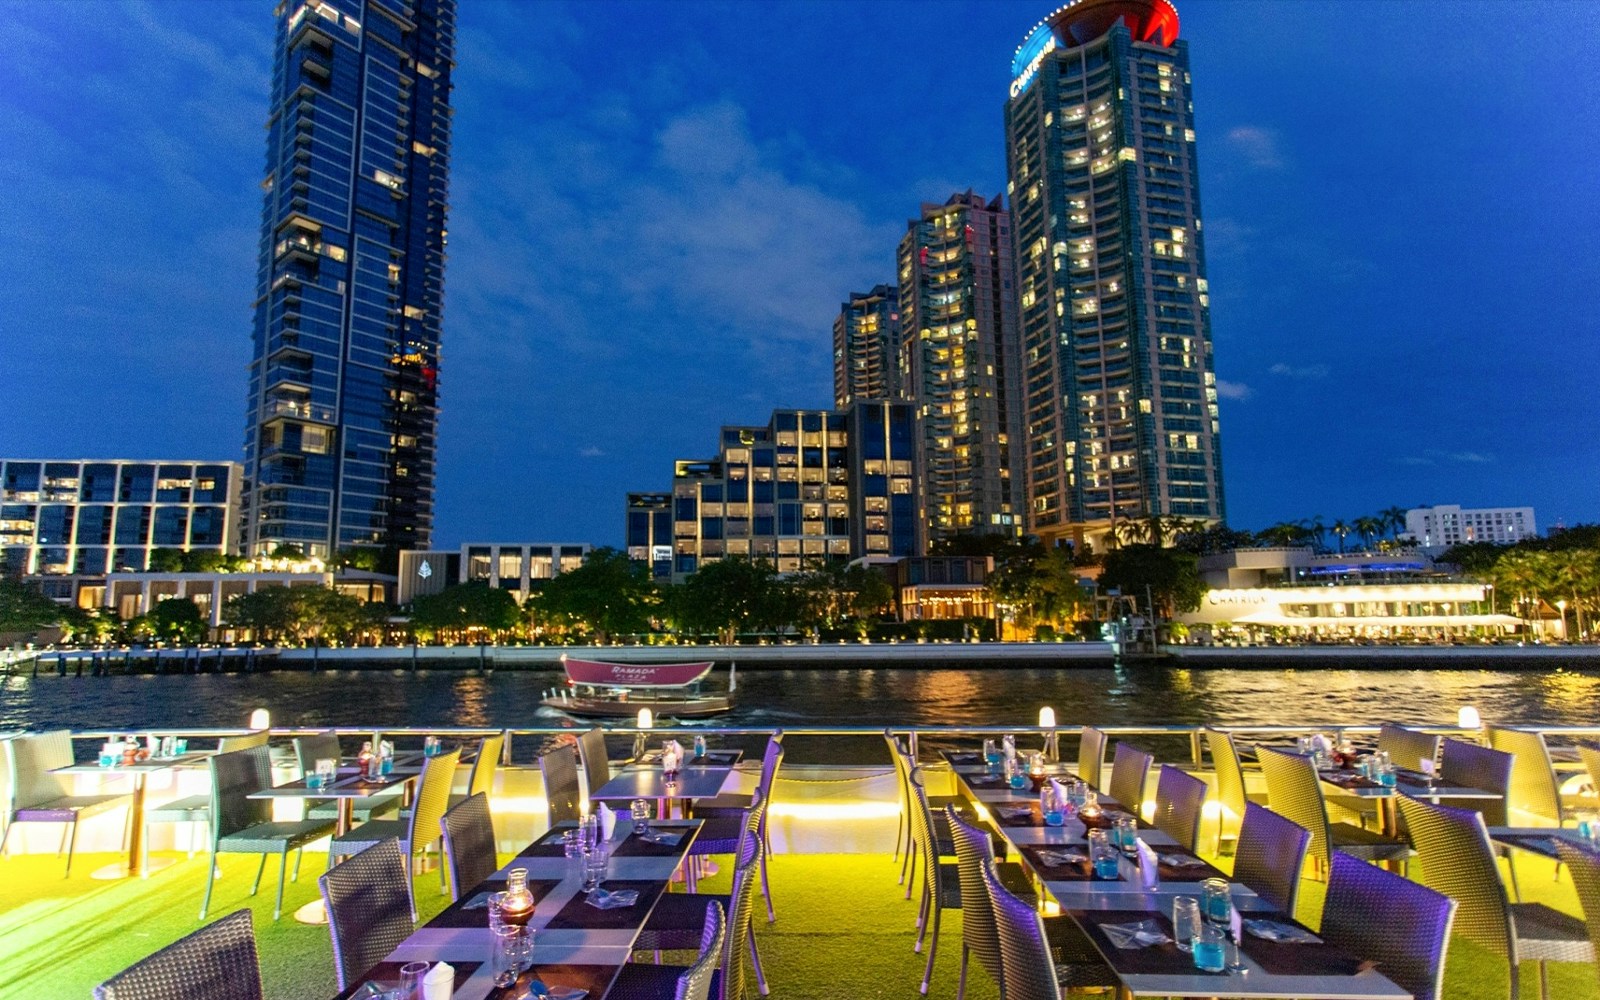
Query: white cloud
point(1300, 371)
point(590, 452)
point(1233, 390)
point(1258, 146)
point(1434, 456)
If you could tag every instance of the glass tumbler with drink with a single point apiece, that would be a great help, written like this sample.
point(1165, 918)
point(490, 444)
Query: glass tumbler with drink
point(640, 812)
point(1102, 855)
point(1186, 922)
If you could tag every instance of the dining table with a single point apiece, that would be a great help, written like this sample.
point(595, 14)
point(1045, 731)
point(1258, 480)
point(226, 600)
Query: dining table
point(138, 863)
point(1409, 783)
point(576, 945)
point(1129, 922)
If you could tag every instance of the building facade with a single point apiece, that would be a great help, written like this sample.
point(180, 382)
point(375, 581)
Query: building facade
point(958, 357)
point(515, 566)
point(649, 532)
point(343, 393)
point(1121, 400)
point(809, 485)
point(866, 346)
point(85, 518)
point(1437, 528)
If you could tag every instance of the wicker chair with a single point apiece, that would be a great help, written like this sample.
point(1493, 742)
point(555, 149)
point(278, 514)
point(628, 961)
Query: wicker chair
point(1130, 768)
point(941, 886)
point(244, 741)
point(37, 796)
point(596, 765)
point(325, 746)
point(1296, 794)
point(1028, 971)
point(480, 779)
point(415, 832)
point(695, 982)
point(1092, 756)
point(1589, 753)
point(1407, 747)
point(559, 768)
point(974, 852)
point(1585, 865)
point(1231, 793)
point(216, 962)
point(1391, 920)
point(196, 809)
point(1270, 856)
point(242, 825)
point(1469, 765)
point(734, 979)
point(936, 803)
point(368, 899)
point(639, 981)
point(469, 844)
point(1180, 801)
point(1534, 791)
point(724, 813)
point(1459, 861)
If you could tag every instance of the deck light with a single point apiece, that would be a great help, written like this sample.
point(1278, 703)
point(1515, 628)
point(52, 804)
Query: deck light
point(646, 718)
point(1467, 718)
point(261, 719)
point(1047, 722)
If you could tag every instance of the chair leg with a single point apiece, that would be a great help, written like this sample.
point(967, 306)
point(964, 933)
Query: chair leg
point(299, 856)
point(961, 985)
point(1544, 980)
point(766, 890)
point(72, 844)
point(61, 848)
point(5, 835)
point(899, 832)
point(755, 960)
point(211, 880)
point(259, 869)
point(933, 948)
point(283, 863)
point(912, 852)
point(1511, 866)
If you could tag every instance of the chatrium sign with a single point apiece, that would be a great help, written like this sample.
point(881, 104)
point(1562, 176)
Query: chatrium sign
point(1030, 57)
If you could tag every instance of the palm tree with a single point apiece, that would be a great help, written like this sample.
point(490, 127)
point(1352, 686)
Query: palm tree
point(1284, 533)
point(1526, 575)
point(1393, 518)
point(1369, 528)
point(1576, 572)
point(1340, 529)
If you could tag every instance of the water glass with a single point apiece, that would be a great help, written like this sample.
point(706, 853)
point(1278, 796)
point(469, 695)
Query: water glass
point(1052, 806)
point(640, 811)
point(594, 867)
point(1016, 774)
point(1209, 949)
point(1217, 903)
point(411, 976)
point(430, 746)
point(1103, 856)
point(1126, 834)
point(506, 953)
point(572, 843)
point(1077, 792)
point(991, 752)
point(1186, 922)
point(1589, 827)
point(181, 745)
point(327, 769)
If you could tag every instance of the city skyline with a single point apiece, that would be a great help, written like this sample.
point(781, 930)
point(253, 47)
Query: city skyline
point(1393, 323)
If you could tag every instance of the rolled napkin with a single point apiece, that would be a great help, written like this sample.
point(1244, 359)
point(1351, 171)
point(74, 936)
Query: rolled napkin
point(1149, 870)
point(440, 982)
point(608, 822)
point(604, 899)
point(1131, 936)
point(1273, 930)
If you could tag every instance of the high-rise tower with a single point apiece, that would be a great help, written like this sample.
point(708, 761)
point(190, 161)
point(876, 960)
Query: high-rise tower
point(958, 362)
point(1121, 410)
point(866, 344)
point(340, 439)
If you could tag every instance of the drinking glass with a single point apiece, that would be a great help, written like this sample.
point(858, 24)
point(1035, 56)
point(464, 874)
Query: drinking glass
point(1127, 833)
point(641, 810)
point(327, 769)
point(1208, 949)
point(572, 843)
point(1589, 826)
point(1016, 776)
point(1051, 806)
point(1076, 792)
point(1186, 922)
point(1428, 769)
point(1217, 901)
point(505, 953)
point(1102, 855)
point(411, 975)
point(181, 745)
point(991, 752)
point(594, 867)
point(430, 746)
point(496, 908)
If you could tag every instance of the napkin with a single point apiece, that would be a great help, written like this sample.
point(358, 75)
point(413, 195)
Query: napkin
point(1149, 872)
point(1058, 859)
point(1016, 812)
point(661, 837)
point(604, 899)
point(1131, 936)
point(1272, 930)
point(478, 902)
point(608, 822)
point(1180, 861)
point(440, 982)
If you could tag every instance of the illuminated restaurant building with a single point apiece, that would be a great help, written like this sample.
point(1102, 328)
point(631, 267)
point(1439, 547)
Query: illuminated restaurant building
point(958, 358)
point(866, 346)
point(343, 386)
point(1121, 402)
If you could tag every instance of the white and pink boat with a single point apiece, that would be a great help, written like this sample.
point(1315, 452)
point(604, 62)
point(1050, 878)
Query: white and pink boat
point(602, 689)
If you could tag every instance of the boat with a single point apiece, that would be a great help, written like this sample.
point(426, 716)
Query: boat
point(601, 689)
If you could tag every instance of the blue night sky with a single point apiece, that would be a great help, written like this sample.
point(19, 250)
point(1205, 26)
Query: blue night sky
point(657, 209)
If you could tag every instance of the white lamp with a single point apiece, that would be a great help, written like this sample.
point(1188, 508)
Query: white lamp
point(1467, 718)
point(261, 719)
point(1047, 718)
point(646, 718)
point(1047, 722)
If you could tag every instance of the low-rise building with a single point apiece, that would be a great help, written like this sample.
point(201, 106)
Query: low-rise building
point(1436, 528)
point(513, 566)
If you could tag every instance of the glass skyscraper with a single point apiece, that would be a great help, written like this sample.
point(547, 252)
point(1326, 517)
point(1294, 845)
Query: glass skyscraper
point(866, 346)
point(1121, 398)
point(340, 441)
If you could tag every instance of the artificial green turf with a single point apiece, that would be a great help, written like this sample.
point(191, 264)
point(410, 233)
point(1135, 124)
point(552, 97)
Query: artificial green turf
point(842, 930)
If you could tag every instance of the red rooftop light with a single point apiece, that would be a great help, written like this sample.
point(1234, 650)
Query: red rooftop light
point(1083, 21)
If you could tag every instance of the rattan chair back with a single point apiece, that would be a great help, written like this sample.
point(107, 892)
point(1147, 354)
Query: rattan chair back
point(1180, 802)
point(1270, 854)
point(927, 845)
point(481, 778)
point(310, 749)
point(1589, 753)
point(1585, 866)
point(694, 983)
point(741, 904)
point(1459, 860)
point(1230, 773)
point(234, 775)
point(1294, 793)
point(1533, 777)
point(1030, 972)
point(771, 761)
point(433, 798)
point(469, 844)
point(1386, 918)
point(217, 962)
point(1092, 756)
point(368, 899)
point(1130, 767)
point(1407, 748)
point(974, 854)
point(596, 764)
point(32, 759)
point(559, 768)
point(1468, 765)
point(254, 738)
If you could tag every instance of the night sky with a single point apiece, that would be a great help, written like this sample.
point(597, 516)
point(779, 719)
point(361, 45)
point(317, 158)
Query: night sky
point(657, 209)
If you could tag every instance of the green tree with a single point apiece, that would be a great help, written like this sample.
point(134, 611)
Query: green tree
point(356, 557)
point(208, 561)
point(1041, 585)
point(268, 612)
point(87, 625)
point(1393, 518)
point(1172, 577)
point(178, 619)
point(165, 561)
point(1213, 538)
point(24, 608)
point(1525, 576)
point(609, 595)
point(830, 593)
point(1341, 528)
point(466, 607)
point(730, 596)
point(1369, 528)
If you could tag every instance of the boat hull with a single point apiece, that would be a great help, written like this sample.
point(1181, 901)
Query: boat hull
point(697, 707)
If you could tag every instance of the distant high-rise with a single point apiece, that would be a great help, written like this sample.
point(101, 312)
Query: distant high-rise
point(958, 357)
point(866, 340)
point(340, 440)
point(1121, 409)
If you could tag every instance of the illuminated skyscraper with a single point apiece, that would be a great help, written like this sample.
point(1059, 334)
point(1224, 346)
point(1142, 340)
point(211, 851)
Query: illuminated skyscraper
point(1121, 408)
point(958, 363)
point(866, 343)
point(340, 439)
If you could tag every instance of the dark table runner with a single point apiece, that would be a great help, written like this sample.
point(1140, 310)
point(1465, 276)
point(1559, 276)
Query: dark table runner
point(964, 757)
point(1079, 871)
point(1274, 957)
point(455, 915)
point(548, 846)
point(716, 758)
point(579, 915)
point(1539, 843)
point(594, 978)
point(1107, 819)
point(634, 846)
point(1348, 779)
point(387, 976)
point(1009, 814)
